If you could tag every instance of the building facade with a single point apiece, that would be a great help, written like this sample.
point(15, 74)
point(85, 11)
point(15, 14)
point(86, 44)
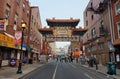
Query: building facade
point(12, 14)
point(97, 40)
point(116, 29)
point(35, 41)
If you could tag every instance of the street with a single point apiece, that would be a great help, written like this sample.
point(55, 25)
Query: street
point(62, 70)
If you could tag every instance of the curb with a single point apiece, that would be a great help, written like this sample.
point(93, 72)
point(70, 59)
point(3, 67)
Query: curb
point(100, 72)
point(106, 74)
point(30, 71)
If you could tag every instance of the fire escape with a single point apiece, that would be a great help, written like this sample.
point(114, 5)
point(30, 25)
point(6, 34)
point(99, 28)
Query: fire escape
point(100, 9)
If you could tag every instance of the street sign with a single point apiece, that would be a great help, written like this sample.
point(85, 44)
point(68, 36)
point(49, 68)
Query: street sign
point(1, 24)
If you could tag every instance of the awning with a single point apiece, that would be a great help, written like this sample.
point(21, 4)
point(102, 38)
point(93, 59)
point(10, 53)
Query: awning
point(8, 35)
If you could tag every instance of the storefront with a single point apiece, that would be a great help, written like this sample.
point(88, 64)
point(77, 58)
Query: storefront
point(117, 55)
point(34, 54)
point(7, 49)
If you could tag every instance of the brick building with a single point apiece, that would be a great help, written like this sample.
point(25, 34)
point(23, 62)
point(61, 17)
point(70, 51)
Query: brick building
point(116, 29)
point(97, 40)
point(35, 41)
point(12, 14)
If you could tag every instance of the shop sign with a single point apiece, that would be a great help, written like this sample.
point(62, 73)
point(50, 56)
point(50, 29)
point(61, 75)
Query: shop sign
point(24, 46)
point(12, 62)
point(4, 44)
point(6, 41)
point(1, 24)
point(18, 46)
point(11, 45)
point(4, 62)
point(6, 38)
point(62, 31)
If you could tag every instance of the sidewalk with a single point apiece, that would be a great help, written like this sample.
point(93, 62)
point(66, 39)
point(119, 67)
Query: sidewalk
point(10, 72)
point(103, 70)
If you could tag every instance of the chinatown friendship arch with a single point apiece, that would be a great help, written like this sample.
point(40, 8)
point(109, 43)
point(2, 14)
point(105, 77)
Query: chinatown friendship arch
point(62, 30)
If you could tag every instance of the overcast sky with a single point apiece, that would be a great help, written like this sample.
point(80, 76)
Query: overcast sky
point(60, 9)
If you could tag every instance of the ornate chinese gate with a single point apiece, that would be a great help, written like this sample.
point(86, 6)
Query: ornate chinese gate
point(62, 30)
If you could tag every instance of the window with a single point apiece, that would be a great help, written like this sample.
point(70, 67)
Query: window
point(102, 23)
point(7, 11)
point(93, 48)
point(15, 21)
point(101, 28)
point(87, 36)
point(93, 32)
point(92, 17)
point(100, 46)
point(80, 37)
point(23, 7)
point(117, 8)
point(91, 4)
point(118, 24)
point(28, 13)
point(109, 43)
point(86, 23)
point(87, 49)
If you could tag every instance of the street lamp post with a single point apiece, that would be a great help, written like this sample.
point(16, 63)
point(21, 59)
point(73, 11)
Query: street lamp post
point(19, 71)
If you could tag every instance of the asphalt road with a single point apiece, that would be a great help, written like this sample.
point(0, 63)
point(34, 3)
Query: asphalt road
point(59, 70)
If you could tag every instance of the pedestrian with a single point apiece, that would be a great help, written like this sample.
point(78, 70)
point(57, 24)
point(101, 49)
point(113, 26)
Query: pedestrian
point(25, 60)
point(57, 58)
point(96, 64)
point(91, 62)
point(87, 60)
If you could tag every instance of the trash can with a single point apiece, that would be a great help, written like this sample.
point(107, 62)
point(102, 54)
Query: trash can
point(111, 66)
